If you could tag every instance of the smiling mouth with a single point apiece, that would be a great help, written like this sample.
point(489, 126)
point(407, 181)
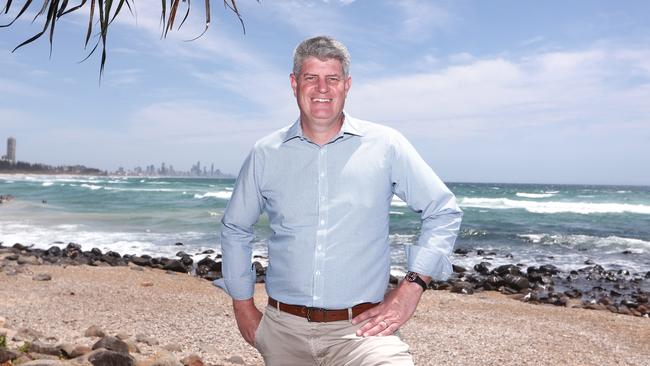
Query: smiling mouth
point(321, 100)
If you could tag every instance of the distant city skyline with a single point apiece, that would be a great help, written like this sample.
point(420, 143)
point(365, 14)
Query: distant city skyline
point(499, 91)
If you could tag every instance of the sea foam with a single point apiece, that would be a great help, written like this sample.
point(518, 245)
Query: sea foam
point(224, 195)
point(552, 207)
point(535, 195)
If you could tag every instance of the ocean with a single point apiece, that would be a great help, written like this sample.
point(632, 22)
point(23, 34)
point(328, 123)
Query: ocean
point(531, 224)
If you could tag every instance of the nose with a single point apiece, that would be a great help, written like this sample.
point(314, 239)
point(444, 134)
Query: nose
point(322, 86)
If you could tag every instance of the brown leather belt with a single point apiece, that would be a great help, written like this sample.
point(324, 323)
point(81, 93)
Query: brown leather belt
point(322, 315)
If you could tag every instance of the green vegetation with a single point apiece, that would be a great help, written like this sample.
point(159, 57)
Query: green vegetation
point(3, 341)
point(24, 348)
point(23, 167)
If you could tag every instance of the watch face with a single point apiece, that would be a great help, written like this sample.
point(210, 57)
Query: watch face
point(411, 276)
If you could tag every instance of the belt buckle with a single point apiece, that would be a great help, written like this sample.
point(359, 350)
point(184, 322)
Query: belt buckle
point(309, 313)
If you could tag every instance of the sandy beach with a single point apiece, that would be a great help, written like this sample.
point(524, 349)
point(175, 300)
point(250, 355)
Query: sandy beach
point(486, 328)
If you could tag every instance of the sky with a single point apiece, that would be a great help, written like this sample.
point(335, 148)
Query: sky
point(487, 91)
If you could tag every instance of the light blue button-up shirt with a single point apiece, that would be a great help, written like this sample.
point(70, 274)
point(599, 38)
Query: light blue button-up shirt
point(328, 209)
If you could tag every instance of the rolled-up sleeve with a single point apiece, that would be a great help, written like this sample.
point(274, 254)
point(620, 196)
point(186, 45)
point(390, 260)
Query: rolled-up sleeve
point(242, 212)
point(416, 184)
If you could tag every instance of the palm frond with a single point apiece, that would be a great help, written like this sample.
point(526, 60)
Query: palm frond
point(106, 11)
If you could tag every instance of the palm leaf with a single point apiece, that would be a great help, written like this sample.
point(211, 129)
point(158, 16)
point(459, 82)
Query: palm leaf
point(107, 11)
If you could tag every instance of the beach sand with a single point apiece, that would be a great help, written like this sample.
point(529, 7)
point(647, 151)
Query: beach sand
point(486, 328)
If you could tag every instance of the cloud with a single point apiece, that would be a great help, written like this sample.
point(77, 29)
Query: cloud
point(473, 98)
point(421, 18)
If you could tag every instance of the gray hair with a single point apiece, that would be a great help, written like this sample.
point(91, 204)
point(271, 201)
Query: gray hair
point(323, 48)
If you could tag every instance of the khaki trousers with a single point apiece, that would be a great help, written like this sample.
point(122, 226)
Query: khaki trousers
point(287, 340)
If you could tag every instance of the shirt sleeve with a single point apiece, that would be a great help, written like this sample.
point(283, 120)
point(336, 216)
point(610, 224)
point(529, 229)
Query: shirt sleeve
point(416, 184)
point(242, 212)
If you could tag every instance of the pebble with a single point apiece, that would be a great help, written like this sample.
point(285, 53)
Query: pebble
point(94, 331)
point(192, 360)
point(42, 277)
point(146, 339)
point(236, 359)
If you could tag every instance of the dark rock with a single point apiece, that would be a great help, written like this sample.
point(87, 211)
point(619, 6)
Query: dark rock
point(462, 288)
point(12, 257)
point(42, 277)
point(461, 251)
point(458, 269)
point(508, 290)
point(176, 266)
point(573, 293)
point(111, 358)
point(509, 255)
point(548, 269)
point(439, 285)
point(112, 344)
point(187, 260)
point(7, 355)
point(96, 252)
point(178, 244)
point(647, 275)
point(480, 252)
point(482, 267)
point(211, 264)
point(516, 282)
point(73, 246)
point(181, 254)
point(208, 251)
point(589, 261)
point(141, 261)
point(614, 293)
point(54, 251)
point(44, 348)
point(20, 246)
point(507, 269)
point(626, 252)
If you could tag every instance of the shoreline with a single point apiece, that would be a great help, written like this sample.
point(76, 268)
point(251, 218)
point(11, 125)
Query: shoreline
point(589, 287)
point(174, 308)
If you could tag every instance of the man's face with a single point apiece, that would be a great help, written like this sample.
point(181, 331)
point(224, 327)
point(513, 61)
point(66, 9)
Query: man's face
point(320, 90)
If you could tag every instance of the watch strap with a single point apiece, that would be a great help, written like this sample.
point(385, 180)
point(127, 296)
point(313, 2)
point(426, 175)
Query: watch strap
point(414, 277)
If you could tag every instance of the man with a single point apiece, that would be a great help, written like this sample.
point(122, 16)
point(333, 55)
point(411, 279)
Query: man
point(326, 183)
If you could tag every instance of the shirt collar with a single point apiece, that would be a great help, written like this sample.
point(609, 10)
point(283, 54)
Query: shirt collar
point(350, 127)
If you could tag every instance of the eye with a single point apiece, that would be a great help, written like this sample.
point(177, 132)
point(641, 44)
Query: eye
point(310, 77)
point(333, 79)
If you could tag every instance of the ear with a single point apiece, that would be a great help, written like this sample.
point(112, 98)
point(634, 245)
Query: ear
point(294, 84)
point(347, 84)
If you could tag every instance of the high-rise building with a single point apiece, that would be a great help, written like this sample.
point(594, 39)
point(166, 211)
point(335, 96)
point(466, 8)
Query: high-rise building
point(11, 151)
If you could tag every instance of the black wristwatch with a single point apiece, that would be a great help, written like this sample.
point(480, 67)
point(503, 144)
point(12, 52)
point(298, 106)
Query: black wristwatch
point(413, 277)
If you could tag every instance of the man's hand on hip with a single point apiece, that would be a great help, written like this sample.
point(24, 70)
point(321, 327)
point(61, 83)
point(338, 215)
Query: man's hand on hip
point(248, 318)
point(398, 307)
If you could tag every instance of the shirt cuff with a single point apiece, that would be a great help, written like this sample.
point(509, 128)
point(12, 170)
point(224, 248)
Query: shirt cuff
point(241, 288)
point(428, 262)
